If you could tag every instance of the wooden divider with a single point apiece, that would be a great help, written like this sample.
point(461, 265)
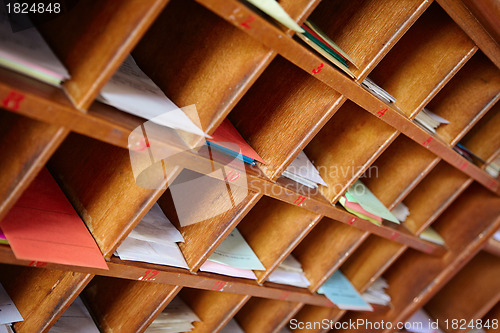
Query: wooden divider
point(80, 38)
point(465, 226)
point(425, 58)
point(27, 144)
point(469, 295)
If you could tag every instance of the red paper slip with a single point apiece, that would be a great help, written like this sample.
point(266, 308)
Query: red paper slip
point(43, 226)
point(226, 133)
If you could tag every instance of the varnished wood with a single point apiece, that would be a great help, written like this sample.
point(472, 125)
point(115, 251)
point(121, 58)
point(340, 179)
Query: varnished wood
point(41, 295)
point(470, 294)
point(80, 38)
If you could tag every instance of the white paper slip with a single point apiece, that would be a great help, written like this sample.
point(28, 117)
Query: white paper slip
point(162, 254)
point(401, 212)
point(302, 168)
point(376, 293)
point(132, 91)
point(217, 268)
point(76, 319)
point(232, 327)
point(27, 52)
point(291, 264)
point(176, 317)
point(273, 9)
point(282, 276)
point(156, 227)
point(8, 311)
point(6, 329)
point(234, 251)
point(497, 235)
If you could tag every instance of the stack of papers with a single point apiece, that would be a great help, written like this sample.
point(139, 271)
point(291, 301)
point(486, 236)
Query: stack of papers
point(359, 201)
point(228, 140)
point(429, 120)
point(342, 293)
point(177, 317)
point(376, 293)
point(289, 272)
point(468, 155)
point(303, 171)
point(322, 44)
point(132, 91)
point(273, 9)
point(432, 236)
point(233, 257)
point(420, 322)
point(154, 240)
point(8, 311)
point(76, 319)
point(43, 226)
point(401, 212)
point(376, 90)
point(232, 327)
point(27, 52)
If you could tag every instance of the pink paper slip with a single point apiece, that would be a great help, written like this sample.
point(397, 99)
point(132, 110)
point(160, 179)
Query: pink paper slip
point(43, 226)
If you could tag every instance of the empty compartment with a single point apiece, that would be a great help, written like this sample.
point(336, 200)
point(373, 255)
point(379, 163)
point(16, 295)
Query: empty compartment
point(398, 170)
point(325, 248)
point(119, 305)
point(283, 110)
point(472, 292)
point(332, 149)
point(433, 195)
point(466, 98)
point(264, 315)
point(484, 138)
point(214, 308)
point(432, 50)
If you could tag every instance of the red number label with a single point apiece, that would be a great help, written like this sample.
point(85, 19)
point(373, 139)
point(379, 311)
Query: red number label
point(13, 100)
point(147, 277)
point(318, 69)
point(37, 264)
point(299, 200)
point(492, 184)
point(352, 220)
point(427, 142)
point(395, 235)
point(246, 24)
point(329, 303)
point(284, 295)
point(219, 285)
point(464, 165)
point(381, 113)
point(231, 177)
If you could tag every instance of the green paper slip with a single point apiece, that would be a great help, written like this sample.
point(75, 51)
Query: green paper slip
point(358, 214)
point(325, 47)
point(369, 202)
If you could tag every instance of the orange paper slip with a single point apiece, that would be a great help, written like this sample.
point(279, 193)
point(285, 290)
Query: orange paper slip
point(43, 226)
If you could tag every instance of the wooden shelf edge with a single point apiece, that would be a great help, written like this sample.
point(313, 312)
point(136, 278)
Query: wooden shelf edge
point(150, 273)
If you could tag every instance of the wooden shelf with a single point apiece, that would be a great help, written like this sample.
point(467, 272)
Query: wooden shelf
point(235, 63)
